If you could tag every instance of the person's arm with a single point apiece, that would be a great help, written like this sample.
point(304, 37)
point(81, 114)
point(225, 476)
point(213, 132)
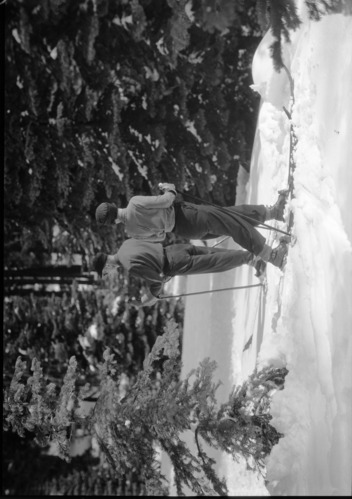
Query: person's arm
point(162, 201)
point(147, 300)
point(151, 291)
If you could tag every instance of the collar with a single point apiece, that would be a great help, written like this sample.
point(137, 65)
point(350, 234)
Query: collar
point(122, 214)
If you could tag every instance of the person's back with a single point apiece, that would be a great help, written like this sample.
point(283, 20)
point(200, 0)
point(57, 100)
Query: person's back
point(141, 254)
point(148, 218)
point(145, 217)
point(145, 260)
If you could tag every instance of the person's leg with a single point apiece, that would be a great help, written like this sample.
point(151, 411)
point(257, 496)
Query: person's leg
point(186, 214)
point(199, 221)
point(203, 221)
point(261, 213)
point(190, 259)
point(191, 222)
point(187, 222)
point(226, 222)
point(256, 213)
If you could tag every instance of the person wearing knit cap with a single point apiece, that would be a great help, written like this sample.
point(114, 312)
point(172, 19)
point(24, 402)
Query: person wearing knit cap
point(149, 218)
point(155, 263)
point(145, 217)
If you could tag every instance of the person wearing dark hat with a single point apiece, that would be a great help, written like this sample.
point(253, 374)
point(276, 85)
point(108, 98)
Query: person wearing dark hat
point(149, 218)
point(154, 262)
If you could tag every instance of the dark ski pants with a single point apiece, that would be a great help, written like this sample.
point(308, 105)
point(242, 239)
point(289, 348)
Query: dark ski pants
point(183, 259)
point(194, 221)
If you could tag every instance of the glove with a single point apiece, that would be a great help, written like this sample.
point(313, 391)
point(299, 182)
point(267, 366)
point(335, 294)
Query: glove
point(146, 301)
point(167, 187)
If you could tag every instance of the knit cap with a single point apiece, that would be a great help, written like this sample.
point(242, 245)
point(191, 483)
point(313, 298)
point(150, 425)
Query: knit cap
point(106, 213)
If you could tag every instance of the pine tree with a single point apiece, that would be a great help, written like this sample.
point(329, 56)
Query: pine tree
point(282, 18)
point(128, 428)
point(38, 407)
point(100, 98)
point(156, 409)
point(319, 8)
point(52, 327)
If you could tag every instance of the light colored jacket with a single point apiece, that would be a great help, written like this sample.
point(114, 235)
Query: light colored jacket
point(149, 217)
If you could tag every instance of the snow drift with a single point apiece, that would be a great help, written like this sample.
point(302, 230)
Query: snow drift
point(303, 319)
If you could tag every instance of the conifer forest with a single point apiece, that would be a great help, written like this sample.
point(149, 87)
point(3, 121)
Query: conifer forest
point(104, 99)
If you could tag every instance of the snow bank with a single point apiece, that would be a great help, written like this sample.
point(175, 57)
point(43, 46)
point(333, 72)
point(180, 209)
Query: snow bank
point(303, 319)
point(310, 315)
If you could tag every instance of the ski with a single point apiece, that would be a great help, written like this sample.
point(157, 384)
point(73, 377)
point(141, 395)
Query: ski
point(293, 144)
point(291, 166)
point(288, 238)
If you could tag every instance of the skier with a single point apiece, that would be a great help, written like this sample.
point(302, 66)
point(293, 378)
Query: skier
point(154, 262)
point(148, 218)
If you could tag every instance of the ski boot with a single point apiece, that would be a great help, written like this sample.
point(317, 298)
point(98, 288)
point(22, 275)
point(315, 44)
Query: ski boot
point(258, 264)
point(276, 211)
point(278, 255)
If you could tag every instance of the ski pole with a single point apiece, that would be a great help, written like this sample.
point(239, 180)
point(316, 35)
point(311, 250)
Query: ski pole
point(223, 208)
point(219, 242)
point(212, 291)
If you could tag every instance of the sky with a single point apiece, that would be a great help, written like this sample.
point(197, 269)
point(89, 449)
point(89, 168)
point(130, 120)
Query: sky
point(302, 318)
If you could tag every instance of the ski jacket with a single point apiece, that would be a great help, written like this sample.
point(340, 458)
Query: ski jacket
point(148, 218)
point(145, 260)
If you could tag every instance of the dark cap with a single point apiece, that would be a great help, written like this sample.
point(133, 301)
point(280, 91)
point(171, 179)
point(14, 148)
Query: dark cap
point(99, 262)
point(106, 213)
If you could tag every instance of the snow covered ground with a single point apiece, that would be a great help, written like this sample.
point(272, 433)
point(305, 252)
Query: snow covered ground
point(303, 320)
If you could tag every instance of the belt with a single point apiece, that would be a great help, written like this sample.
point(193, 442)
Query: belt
point(177, 209)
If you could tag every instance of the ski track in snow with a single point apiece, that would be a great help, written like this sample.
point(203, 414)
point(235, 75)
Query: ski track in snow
point(304, 319)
